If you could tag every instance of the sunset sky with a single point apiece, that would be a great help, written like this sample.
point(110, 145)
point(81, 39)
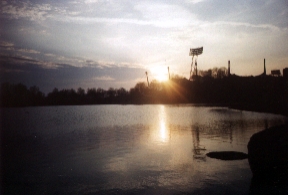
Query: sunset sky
point(106, 43)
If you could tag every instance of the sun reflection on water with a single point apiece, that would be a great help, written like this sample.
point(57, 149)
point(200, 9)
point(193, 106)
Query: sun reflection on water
point(163, 132)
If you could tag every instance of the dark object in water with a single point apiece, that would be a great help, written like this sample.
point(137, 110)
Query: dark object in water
point(268, 160)
point(268, 153)
point(227, 155)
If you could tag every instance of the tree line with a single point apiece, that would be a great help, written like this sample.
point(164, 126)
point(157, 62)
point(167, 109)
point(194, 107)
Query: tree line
point(265, 93)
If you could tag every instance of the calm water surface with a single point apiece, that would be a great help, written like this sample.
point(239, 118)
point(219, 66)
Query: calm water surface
point(126, 149)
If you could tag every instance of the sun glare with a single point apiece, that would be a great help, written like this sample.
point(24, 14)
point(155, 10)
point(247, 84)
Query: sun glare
point(161, 77)
point(159, 73)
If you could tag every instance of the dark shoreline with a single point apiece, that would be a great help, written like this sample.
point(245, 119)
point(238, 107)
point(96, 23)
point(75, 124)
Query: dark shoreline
point(259, 94)
point(253, 108)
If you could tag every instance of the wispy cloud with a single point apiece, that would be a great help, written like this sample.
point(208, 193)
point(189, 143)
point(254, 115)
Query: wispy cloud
point(6, 44)
point(194, 1)
point(144, 13)
point(243, 24)
point(50, 55)
point(165, 15)
point(91, 20)
point(14, 54)
point(34, 12)
point(31, 51)
point(26, 10)
point(32, 30)
point(22, 59)
point(91, 1)
point(104, 78)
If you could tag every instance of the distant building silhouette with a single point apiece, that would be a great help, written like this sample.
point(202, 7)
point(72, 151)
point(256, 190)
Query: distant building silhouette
point(276, 73)
point(285, 73)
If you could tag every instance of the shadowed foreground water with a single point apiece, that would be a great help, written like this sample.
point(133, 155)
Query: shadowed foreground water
point(115, 149)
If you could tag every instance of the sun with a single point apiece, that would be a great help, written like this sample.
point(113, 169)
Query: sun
point(159, 73)
point(161, 77)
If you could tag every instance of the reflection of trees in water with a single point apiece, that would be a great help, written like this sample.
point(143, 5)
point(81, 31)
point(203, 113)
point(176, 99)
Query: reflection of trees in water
point(221, 129)
point(198, 150)
point(224, 131)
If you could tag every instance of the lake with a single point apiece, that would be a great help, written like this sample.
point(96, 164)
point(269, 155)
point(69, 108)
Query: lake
point(126, 149)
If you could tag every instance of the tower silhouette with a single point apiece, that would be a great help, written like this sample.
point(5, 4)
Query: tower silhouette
point(264, 68)
point(228, 67)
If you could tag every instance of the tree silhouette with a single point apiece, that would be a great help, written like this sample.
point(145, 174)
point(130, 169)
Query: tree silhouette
point(262, 93)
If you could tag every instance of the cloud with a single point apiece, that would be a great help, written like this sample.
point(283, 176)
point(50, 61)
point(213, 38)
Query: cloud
point(91, 1)
point(66, 76)
point(26, 10)
point(34, 11)
point(93, 20)
point(50, 55)
point(53, 61)
point(31, 51)
point(144, 13)
point(194, 1)
point(22, 60)
point(3, 2)
point(9, 46)
point(243, 24)
point(165, 15)
point(104, 78)
point(6, 44)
